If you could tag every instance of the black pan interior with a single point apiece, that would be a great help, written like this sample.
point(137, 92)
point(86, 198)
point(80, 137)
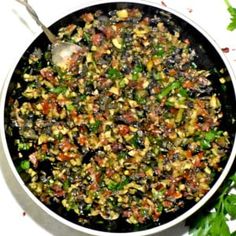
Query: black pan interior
point(207, 58)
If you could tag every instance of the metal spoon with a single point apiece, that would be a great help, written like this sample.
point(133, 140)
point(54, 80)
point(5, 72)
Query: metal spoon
point(61, 51)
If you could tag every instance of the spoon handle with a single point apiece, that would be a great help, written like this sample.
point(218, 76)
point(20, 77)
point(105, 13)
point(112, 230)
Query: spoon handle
point(52, 38)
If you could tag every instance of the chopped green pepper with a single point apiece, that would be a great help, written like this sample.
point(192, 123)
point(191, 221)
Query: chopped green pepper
point(86, 37)
point(93, 127)
point(58, 90)
point(164, 92)
point(157, 76)
point(140, 96)
point(23, 146)
point(122, 155)
point(88, 207)
point(212, 135)
point(25, 164)
point(137, 69)
point(205, 144)
point(113, 186)
point(114, 74)
point(159, 50)
point(135, 141)
point(122, 84)
point(82, 97)
point(66, 184)
point(183, 92)
point(70, 107)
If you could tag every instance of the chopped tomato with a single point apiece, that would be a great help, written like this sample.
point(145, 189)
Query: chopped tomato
point(88, 17)
point(65, 145)
point(172, 72)
point(155, 215)
point(129, 118)
point(167, 204)
point(123, 129)
point(99, 160)
point(109, 32)
point(188, 154)
point(67, 156)
point(188, 84)
point(82, 140)
point(46, 107)
point(109, 172)
point(44, 148)
point(187, 41)
point(33, 159)
point(58, 191)
point(96, 39)
point(63, 157)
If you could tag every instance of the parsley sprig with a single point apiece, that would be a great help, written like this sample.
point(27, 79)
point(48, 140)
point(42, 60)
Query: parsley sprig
point(212, 220)
point(232, 11)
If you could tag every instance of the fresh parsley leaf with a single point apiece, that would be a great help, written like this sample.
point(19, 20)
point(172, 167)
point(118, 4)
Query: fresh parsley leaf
point(212, 220)
point(230, 205)
point(232, 11)
point(219, 226)
point(200, 225)
point(233, 178)
point(211, 224)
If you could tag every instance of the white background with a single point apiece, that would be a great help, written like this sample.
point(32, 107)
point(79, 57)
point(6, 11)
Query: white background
point(17, 31)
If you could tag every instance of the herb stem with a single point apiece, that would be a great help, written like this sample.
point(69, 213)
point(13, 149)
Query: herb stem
point(227, 3)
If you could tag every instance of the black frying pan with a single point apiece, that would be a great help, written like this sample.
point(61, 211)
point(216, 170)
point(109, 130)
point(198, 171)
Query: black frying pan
point(207, 58)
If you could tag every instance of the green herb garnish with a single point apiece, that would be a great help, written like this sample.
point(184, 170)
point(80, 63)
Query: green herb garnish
point(232, 25)
point(23, 146)
point(137, 69)
point(212, 221)
point(114, 74)
point(113, 186)
point(159, 51)
point(86, 37)
point(58, 90)
point(93, 127)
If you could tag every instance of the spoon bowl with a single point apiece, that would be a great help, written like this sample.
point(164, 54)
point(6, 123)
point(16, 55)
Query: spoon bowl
point(61, 51)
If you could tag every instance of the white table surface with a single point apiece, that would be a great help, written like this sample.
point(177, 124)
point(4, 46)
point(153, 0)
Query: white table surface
point(18, 214)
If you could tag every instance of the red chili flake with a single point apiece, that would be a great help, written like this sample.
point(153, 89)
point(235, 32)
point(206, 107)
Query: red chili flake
point(24, 213)
point(190, 10)
point(187, 41)
point(225, 50)
point(163, 4)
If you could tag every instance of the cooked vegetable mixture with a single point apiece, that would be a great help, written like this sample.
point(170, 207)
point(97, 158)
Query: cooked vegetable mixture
point(128, 128)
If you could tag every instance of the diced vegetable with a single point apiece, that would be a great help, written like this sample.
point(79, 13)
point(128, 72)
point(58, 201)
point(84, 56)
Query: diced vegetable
point(25, 165)
point(168, 89)
point(114, 74)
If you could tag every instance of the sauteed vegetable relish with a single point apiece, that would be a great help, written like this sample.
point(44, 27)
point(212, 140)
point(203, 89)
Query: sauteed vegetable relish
point(128, 128)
